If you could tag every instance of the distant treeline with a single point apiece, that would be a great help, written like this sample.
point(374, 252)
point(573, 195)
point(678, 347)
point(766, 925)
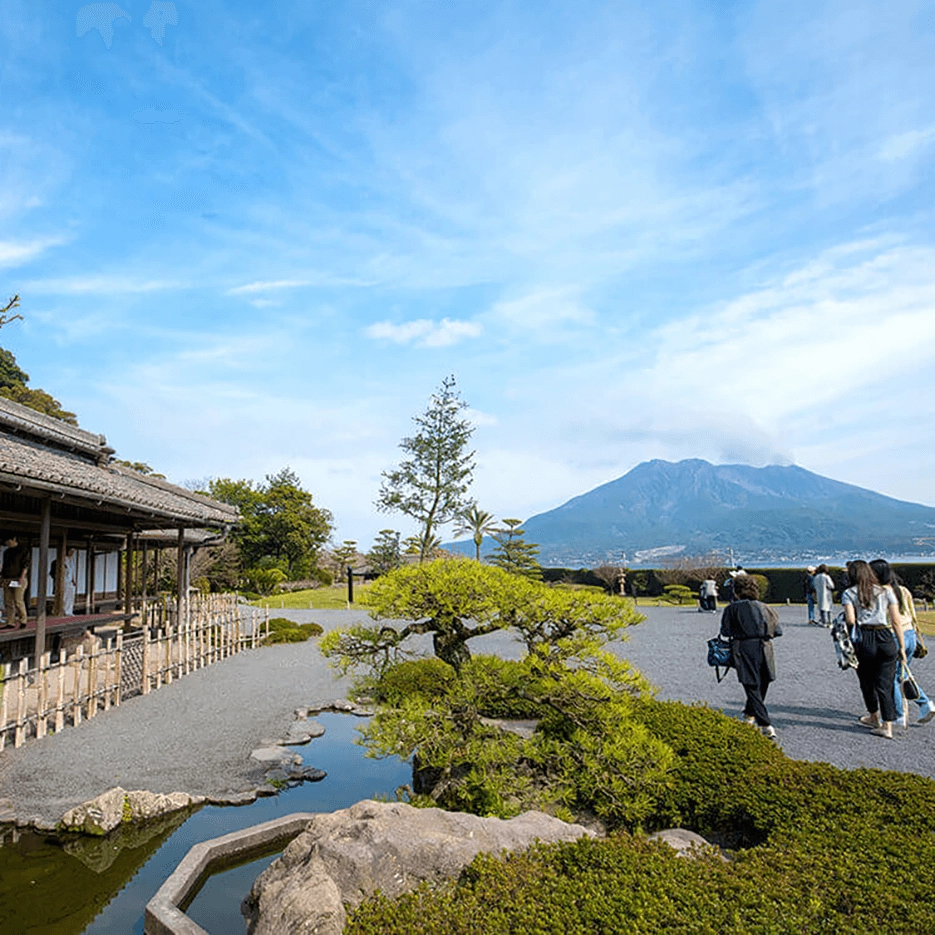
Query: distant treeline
point(784, 583)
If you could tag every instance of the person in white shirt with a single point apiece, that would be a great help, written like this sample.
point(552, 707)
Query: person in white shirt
point(880, 647)
point(824, 594)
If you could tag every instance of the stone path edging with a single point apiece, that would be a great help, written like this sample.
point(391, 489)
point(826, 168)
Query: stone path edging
point(163, 916)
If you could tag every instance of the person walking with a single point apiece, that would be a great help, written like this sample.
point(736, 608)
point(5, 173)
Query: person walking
point(908, 622)
point(879, 647)
point(751, 626)
point(810, 593)
point(824, 594)
point(14, 573)
point(708, 595)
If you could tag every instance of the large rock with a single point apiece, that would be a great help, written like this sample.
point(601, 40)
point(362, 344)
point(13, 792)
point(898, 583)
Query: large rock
point(347, 855)
point(116, 806)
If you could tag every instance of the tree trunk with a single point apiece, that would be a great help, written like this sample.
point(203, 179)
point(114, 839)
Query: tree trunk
point(451, 648)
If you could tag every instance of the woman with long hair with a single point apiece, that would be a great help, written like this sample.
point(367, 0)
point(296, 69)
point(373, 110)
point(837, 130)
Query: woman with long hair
point(908, 622)
point(880, 646)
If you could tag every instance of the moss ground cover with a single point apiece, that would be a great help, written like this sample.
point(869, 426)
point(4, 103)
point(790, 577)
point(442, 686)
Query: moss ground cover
point(814, 849)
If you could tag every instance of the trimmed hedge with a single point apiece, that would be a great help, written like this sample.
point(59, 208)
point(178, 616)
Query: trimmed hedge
point(821, 849)
point(283, 630)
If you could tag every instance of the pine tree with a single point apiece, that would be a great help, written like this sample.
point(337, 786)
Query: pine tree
point(513, 553)
point(431, 485)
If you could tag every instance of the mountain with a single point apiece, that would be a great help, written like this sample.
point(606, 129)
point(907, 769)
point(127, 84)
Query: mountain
point(763, 514)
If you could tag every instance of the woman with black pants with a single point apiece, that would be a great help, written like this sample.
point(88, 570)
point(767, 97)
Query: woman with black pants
point(880, 646)
point(750, 626)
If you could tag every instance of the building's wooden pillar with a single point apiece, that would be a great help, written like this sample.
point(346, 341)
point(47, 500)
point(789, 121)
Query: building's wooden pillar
point(58, 604)
point(89, 570)
point(128, 577)
point(181, 576)
point(42, 582)
point(144, 591)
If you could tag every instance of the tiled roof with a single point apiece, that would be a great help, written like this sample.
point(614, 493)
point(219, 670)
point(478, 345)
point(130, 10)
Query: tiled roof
point(39, 462)
point(19, 419)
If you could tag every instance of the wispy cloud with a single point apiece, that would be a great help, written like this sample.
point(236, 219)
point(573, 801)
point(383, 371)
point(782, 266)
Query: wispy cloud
point(268, 286)
point(16, 253)
point(423, 332)
point(100, 285)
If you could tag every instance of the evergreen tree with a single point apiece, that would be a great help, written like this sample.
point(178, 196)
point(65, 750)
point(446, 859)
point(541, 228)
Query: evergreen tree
point(431, 484)
point(513, 553)
point(385, 556)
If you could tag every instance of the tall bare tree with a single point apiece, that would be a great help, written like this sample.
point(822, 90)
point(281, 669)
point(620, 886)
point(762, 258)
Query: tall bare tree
point(431, 484)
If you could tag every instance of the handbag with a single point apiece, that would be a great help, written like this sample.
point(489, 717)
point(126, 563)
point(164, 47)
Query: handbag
point(921, 650)
point(720, 656)
point(910, 687)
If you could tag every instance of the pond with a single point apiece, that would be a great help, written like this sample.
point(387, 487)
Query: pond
point(102, 885)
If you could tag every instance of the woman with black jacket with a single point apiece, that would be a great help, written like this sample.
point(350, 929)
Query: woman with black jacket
point(750, 626)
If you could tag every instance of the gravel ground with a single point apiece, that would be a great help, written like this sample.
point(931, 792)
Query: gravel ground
point(196, 734)
point(193, 736)
point(814, 706)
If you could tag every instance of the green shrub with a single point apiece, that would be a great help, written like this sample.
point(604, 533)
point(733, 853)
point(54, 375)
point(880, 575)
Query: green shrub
point(830, 851)
point(678, 593)
point(283, 630)
point(323, 576)
point(418, 678)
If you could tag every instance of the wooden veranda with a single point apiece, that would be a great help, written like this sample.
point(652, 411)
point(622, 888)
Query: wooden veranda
point(61, 490)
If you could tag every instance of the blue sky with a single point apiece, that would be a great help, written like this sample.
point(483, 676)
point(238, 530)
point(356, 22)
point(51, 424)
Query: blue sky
point(254, 235)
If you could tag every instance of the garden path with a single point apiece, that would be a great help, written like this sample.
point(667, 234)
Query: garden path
point(813, 704)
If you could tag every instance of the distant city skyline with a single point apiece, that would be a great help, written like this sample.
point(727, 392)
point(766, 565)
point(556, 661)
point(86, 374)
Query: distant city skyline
point(248, 237)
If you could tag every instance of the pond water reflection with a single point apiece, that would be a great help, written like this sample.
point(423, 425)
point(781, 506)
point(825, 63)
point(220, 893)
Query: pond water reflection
point(103, 885)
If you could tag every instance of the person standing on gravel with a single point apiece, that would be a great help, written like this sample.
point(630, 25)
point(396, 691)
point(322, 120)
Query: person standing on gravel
point(880, 647)
point(810, 592)
point(750, 626)
point(908, 622)
point(824, 594)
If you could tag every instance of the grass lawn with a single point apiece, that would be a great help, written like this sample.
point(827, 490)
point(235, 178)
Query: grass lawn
point(316, 598)
point(927, 621)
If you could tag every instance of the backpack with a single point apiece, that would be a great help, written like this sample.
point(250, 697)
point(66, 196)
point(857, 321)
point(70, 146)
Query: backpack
point(720, 656)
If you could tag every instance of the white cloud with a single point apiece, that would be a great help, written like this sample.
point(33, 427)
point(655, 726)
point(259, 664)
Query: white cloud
point(423, 332)
point(13, 253)
point(543, 309)
point(268, 286)
point(910, 143)
point(99, 285)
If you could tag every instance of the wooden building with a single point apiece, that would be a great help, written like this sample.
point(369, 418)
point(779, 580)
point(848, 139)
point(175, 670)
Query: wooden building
point(60, 489)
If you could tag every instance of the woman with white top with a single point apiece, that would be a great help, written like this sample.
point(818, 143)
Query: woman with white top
point(824, 594)
point(908, 622)
point(879, 647)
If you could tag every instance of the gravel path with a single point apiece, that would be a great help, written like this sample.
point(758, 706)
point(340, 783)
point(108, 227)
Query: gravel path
point(814, 706)
point(196, 734)
point(193, 736)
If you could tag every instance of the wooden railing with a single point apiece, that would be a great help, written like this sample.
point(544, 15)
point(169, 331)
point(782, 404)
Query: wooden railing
point(80, 684)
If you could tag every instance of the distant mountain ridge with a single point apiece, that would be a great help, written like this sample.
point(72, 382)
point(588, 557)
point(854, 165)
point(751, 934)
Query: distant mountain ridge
point(764, 514)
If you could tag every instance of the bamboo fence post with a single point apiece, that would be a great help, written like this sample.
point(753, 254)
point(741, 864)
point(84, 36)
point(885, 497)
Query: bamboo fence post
point(60, 692)
point(43, 662)
point(158, 651)
point(92, 683)
point(108, 656)
point(169, 654)
point(76, 696)
point(5, 669)
point(145, 664)
point(252, 630)
point(20, 737)
point(118, 667)
point(267, 622)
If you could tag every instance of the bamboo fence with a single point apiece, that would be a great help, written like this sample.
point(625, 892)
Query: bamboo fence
point(79, 685)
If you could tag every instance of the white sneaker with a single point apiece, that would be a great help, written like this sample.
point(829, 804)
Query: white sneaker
point(927, 713)
point(769, 732)
point(749, 720)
